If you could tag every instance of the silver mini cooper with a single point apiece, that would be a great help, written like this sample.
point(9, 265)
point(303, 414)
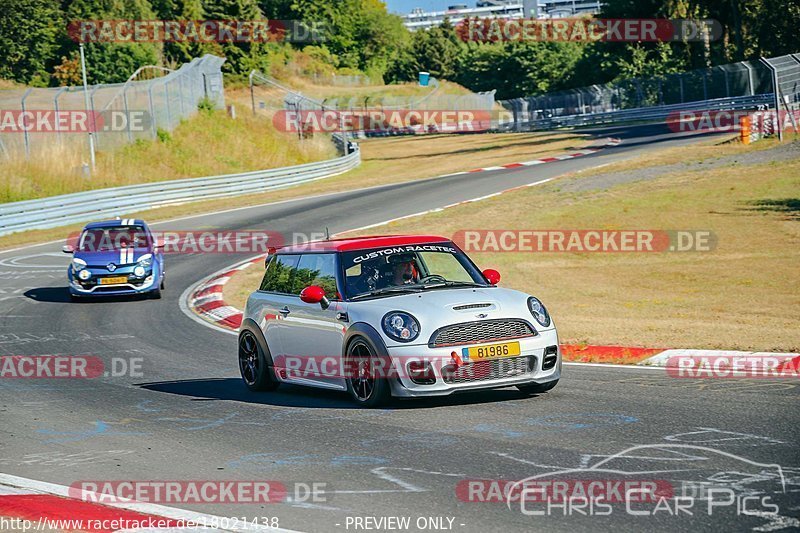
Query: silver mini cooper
point(402, 316)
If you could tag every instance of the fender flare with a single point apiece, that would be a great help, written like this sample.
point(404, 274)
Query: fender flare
point(368, 333)
point(250, 325)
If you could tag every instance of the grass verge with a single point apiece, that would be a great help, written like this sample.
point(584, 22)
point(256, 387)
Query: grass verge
point(742, 295)
point(207, 144)
point(428, 156)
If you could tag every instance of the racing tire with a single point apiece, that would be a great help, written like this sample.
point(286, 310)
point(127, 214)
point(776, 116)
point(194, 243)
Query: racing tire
point(366, 389)
point(256, 373)
point(161, 285)
point(537, 388)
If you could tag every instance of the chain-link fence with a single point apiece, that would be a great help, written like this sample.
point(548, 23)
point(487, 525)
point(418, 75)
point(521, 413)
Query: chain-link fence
point(785, 77)
point(734, 82)
point(152, 99)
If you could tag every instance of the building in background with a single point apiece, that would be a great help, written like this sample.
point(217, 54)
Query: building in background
point(501, 9)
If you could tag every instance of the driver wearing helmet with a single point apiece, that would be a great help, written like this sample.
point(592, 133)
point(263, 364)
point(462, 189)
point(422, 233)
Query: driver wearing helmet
point(404, 269)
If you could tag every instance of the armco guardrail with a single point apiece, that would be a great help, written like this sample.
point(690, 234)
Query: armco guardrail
point(736, 103)
point(80, 207)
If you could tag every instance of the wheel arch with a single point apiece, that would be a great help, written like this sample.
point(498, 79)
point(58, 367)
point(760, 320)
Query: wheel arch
point(248, 324)
point(368, 333)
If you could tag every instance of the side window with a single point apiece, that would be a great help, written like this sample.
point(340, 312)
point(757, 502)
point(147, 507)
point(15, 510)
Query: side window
point(316, 269)
point(280, 274)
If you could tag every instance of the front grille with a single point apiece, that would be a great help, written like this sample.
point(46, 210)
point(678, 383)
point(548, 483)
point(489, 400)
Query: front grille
point(481, 331)
point(488, 370)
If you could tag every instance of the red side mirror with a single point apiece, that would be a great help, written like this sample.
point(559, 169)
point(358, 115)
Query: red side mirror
point(492, 276)
point(314, 294)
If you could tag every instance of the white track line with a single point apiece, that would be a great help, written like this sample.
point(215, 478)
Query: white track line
point(43, 487)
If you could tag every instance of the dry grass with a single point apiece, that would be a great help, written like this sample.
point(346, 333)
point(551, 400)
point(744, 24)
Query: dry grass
point(433, 155)
point(742, 295)
point(204, 145)
point(244, 282)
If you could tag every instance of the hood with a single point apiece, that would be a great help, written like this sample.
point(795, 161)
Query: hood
point(441, 307)
point(124, 256)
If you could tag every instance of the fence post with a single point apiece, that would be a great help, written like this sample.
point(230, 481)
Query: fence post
point(775, 91)
point(127, 114)
point(152, 110)
point(750, 83)
point(25, 130)
point(94, 118)
point(252, 94)
point(167, 106)
point(55, 106)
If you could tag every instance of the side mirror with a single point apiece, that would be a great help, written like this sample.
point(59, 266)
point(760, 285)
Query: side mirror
point(492, 276)
point(314, 294)
point(68, 249)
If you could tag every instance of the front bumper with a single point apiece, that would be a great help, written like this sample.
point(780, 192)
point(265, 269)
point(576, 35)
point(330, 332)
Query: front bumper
point(150, 282)
point(510, 372)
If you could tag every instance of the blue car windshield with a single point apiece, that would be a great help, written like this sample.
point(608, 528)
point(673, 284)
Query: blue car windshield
point(113, 238)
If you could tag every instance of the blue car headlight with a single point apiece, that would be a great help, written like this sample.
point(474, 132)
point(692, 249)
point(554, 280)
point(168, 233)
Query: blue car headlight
point(400, 326)
point(78, 264)
point(84, 274)
point(146, 260)
point(538, 311)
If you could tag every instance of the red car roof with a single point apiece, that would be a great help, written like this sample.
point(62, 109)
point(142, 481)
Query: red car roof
point(361, 243)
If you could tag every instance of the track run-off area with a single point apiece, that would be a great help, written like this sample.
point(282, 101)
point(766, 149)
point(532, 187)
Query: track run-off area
point(184, 414)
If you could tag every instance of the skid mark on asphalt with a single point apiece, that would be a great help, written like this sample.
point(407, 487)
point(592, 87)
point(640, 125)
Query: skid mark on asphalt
point(719, 436)
point(713, 385)
point(66, 460)
point(269, 461)
point(100, 429)
point(72, 337)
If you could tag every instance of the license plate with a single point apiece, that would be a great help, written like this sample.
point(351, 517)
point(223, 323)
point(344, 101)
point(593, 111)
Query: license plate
point(490, 351)
point(114, 281)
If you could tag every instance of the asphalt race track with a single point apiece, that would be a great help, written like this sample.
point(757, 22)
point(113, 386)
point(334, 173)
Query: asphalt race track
point(190, 418)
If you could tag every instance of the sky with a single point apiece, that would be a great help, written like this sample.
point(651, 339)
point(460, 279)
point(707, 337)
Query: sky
point(405, 6)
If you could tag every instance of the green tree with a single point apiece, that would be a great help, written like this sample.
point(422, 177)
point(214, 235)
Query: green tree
point(112, 62)
point(28, 39)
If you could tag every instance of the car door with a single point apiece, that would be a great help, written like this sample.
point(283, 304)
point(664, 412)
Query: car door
point(313, 336)
point(268, 305)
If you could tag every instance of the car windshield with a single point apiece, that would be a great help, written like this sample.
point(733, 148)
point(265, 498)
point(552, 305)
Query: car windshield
point(407, 268)
point(115, 238)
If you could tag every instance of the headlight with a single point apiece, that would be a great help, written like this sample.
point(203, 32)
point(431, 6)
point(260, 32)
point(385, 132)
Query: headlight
point(400, 326)
point(78, 264)
point(538, 311)
point(84, 274)
point(146, 260)
point(138, 271)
